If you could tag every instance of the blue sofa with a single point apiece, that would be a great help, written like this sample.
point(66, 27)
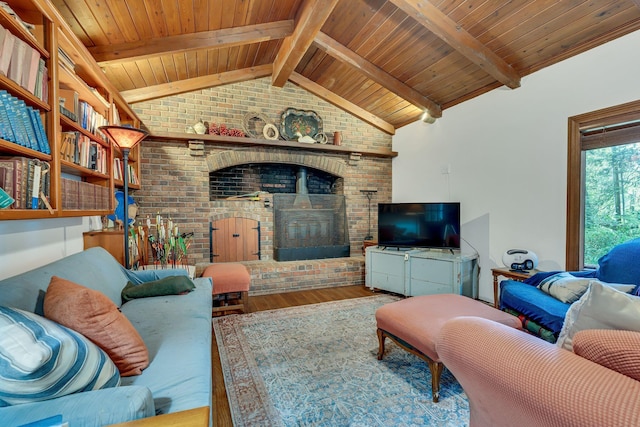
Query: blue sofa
point(543, 314)
point(175, 328)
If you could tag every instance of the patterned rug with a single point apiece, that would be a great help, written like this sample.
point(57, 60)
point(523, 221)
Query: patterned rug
point(316, 365)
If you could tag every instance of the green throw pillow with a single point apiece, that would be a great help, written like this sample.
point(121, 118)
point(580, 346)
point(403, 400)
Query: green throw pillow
point(172, 285)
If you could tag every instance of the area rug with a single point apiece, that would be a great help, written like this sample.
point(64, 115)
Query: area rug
point(316, 365)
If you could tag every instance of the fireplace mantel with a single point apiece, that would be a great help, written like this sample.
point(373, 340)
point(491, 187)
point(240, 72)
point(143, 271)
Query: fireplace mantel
point(186, 137)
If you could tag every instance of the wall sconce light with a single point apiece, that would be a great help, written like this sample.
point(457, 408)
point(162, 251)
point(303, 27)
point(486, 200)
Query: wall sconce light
point(125, 137)
point(426, 118)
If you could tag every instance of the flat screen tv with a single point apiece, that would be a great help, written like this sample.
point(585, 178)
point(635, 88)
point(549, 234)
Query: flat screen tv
point(419, 225)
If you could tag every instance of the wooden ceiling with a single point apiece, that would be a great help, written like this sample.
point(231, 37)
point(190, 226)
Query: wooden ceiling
point(386, 62)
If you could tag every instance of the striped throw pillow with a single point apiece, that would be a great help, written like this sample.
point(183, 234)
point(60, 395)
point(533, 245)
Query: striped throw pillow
point(41, 360)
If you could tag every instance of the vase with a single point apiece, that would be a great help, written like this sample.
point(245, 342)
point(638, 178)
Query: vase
point(337, 138)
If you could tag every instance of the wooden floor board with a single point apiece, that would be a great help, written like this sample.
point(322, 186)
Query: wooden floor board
point(221, 410)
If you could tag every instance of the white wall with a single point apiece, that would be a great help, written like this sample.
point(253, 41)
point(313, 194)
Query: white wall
point(25, 245)
point(506, 153)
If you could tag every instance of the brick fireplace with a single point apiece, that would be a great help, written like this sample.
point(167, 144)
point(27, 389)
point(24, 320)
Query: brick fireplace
point(196, 187)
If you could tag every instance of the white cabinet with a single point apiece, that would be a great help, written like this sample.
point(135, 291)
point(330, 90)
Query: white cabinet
point(422, 272)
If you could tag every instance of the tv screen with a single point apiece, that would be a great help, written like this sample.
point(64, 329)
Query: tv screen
point(419, 225)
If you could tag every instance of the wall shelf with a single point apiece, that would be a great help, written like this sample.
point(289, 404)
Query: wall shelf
point(231, 140)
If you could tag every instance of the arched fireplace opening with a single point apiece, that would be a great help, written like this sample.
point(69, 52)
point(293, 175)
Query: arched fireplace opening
point(309, 207)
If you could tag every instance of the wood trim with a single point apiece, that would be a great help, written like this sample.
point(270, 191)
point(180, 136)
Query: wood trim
point(215, 39)
point(344, 54)
point(230, 140)
point(575, 175)
point(197, 417)
point(342, 103)
point(174, 88)
point(455, 36)
point(310, 18)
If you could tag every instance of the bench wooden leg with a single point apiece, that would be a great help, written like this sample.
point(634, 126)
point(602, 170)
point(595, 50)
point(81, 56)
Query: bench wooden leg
point(245, 301)
point(435, 368)
point(381, 338)
point(436, 372)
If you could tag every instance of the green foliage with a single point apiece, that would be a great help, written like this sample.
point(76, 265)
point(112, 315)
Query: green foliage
point(612, 199)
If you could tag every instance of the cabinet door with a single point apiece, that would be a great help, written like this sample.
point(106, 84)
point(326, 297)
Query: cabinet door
point(387, 272)
point(235, 239)
point(430, 276)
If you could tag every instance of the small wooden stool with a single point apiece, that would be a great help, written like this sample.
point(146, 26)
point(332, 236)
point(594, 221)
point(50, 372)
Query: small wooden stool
point(414, 324)
point(229, 278)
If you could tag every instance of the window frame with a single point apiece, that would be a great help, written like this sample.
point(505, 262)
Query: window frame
point(574, 260)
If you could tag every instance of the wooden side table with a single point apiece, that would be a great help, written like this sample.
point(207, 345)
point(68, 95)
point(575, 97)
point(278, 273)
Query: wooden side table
point(509, 274)
point(112, 240)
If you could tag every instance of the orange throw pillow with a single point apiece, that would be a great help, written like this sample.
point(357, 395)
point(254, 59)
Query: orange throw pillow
point(94, 315)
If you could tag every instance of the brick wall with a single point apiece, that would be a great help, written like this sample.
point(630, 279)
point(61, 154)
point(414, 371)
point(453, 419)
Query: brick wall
point(176, 183)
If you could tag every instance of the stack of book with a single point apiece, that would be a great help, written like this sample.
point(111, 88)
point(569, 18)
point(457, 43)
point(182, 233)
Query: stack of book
point(23, 64)
point(22, 124)
point(26, 180)
point(118, 170)
point(80, 195)
point(81, 150)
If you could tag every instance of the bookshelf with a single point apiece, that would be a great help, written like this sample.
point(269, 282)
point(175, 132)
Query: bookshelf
point(63, 139)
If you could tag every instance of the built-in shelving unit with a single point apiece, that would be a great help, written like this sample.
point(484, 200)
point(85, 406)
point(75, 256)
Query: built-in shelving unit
point(71, 72)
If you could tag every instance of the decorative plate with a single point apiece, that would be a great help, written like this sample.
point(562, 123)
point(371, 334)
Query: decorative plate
point(304, 123)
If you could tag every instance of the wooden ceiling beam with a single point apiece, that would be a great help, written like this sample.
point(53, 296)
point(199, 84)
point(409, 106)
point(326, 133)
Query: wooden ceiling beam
point(342, 103)
point(455, 36)
point(344, 54)
point(173, 88)
point(310, 18)
point(215, 39)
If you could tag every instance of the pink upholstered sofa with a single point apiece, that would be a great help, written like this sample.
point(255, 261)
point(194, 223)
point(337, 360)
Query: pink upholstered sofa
point(515, 379)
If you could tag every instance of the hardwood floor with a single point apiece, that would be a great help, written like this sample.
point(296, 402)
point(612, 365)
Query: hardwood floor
point(221, 412)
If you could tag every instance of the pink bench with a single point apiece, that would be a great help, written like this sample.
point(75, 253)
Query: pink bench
point(229, 278)
point(414, 324)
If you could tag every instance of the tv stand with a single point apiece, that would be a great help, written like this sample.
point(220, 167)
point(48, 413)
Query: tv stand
point(415, 272)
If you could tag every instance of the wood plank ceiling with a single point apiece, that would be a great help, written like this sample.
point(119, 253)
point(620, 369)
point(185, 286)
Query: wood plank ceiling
point(386, 62)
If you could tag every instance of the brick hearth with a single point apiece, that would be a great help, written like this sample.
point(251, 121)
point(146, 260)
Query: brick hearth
point(269, 277)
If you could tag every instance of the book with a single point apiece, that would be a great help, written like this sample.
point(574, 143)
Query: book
point(16, 63)
point(6, 131)
point(26, 125)
point(41, 134)
point(37, 91)
point(32, 66)
point(20, 167)
point(6, 52)
point(18, 131)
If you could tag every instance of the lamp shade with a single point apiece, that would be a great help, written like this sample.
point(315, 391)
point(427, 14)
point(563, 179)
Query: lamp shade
point(124, 137)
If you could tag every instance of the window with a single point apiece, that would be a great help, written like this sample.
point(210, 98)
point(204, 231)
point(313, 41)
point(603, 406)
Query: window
point(603, 183)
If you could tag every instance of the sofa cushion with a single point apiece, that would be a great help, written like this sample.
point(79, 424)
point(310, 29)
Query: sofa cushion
point(601, 307)
point(564, 286)
point(568, 288)
point(42, 360)
point(616, 350)
point(172, 285)
point(620, 264)
point(95, 316)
